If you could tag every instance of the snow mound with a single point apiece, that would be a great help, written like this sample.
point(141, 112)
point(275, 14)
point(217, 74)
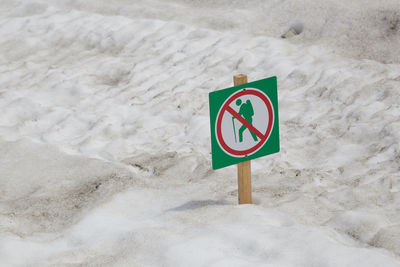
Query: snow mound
point(44, 190)
point(358, 29)
point(358, 225)
point(388, 238)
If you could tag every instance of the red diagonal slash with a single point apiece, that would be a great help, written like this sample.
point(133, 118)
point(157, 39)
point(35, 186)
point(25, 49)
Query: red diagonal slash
point(245, 123)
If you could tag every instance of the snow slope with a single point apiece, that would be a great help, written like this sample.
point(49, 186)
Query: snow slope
point(104, 134)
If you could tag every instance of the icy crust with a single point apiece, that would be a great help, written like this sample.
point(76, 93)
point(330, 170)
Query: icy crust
point(135, 92)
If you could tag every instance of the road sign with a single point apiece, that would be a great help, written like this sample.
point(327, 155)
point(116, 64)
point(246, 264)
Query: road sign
point(244, 122)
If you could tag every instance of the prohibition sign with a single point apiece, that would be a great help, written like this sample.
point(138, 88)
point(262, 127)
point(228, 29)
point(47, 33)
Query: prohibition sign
point(262, 130)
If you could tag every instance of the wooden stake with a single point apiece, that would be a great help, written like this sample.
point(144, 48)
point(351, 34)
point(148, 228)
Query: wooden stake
point(239, 79)
point(244, 168)
point(244, 182)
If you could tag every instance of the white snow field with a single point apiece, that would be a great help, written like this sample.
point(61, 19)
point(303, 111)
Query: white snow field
point(105, 139)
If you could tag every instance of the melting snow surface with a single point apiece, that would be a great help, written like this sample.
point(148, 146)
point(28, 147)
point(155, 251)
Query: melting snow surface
point(105, 140)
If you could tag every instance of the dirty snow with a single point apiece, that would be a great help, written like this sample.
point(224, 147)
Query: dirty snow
point(105, 139)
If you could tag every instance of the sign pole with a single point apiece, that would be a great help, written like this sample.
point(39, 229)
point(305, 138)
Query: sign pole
point(244, 168)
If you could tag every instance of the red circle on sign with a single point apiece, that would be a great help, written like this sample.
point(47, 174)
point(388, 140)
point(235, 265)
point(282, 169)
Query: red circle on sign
point(266, 135)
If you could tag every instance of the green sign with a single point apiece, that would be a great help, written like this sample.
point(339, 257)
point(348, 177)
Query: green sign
point(244, 122)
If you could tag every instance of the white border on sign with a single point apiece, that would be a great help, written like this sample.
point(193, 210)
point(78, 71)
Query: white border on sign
point(223, 104)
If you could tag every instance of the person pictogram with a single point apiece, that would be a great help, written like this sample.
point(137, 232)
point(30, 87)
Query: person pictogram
point(246, 111)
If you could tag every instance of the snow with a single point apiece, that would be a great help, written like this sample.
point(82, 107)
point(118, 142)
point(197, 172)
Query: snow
point(105, 139)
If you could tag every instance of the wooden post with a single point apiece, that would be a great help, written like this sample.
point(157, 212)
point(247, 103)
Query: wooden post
point(244, 168)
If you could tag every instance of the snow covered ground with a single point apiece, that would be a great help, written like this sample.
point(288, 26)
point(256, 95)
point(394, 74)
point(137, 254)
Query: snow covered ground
point(105, 140)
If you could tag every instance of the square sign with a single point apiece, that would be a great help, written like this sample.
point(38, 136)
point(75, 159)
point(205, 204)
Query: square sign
point(244, 122)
